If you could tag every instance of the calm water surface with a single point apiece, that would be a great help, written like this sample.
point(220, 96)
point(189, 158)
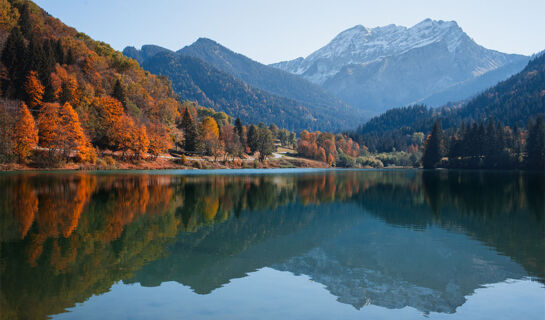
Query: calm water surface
point(318, 244)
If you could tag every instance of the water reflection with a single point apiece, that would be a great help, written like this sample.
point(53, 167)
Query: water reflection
point(388, 238)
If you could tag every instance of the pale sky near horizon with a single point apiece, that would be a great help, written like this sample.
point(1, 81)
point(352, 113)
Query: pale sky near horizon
point(272, 31)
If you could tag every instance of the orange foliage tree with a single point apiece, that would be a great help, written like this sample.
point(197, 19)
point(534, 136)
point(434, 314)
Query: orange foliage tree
point(106, 122)
point(34, 90)
point(25, 134)
point(60, 131)
point(48, 126)
point(130, 137)
point(74, 139)
point(159, 140)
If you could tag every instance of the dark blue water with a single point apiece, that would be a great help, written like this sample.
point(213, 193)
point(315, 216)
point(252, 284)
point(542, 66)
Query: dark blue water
point(294, 244)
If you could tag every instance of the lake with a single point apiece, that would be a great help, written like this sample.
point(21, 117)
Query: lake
point(272, 244)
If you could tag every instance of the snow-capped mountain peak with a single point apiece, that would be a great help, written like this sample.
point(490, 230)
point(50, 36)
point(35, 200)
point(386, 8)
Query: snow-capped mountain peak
point(389, 66)
point(360, 45)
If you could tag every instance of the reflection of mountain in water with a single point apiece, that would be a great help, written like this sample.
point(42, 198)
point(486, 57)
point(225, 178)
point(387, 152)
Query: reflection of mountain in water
point(211, 257)
point(420, 243)
point(430, 270)
point(389, 238)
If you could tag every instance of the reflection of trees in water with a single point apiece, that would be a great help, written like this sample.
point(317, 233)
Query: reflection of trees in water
point(73, 235)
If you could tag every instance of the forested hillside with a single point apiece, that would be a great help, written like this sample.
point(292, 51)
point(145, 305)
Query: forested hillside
point(222, 89)
point(269, 79)
point(512, 102)
point(196, 80)
point(68, 98)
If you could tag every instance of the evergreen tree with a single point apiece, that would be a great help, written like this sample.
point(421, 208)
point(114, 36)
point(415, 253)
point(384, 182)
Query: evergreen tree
point(119, 92)
point(69, 59)
point(253, 138)
point(238, 129)
point(535, 145)
point(14, 59)
point(24, 21)
point(264, 143)
point(433, 150)
point(59, 52)
point(191, 135)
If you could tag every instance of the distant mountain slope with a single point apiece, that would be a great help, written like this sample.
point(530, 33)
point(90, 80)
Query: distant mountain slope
point(194, 79)
point(380, 68)
point(469, 88)
point(511, 102)
point(263, 77)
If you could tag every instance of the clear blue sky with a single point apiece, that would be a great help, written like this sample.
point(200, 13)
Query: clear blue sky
point(274, 30)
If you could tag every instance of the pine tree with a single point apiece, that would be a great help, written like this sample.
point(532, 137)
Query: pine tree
point(433, 150)
point(24, 21)
point(25, 133)
point(59, 52)
point(119, 92)
point(14, 59)
point(239, 130)
point(189, 129)
point(535, 145)
point(252, 138)
point(69, 59)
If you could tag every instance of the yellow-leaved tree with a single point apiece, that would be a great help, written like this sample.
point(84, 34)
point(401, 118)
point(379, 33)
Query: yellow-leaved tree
point(210, 136)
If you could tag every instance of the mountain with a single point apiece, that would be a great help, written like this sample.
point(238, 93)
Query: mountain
point(196, 80)
point(511, 102)
point(383, 67)
point(261, 76)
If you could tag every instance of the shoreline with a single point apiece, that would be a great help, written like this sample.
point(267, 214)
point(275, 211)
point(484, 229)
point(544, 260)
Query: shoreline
point(167, 164)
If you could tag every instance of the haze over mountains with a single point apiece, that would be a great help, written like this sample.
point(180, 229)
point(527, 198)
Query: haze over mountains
point(385, 67)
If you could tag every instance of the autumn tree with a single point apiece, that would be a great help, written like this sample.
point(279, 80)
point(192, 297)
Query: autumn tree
point(105, 122)
point(7, 122)
point(60, 131)
point(231, 141)
point(34, 90)
point(72, 136)
point(210, 136)
point(25, 133)
point(9, 15)
point(141, 142)
point(159, 140)
point(49, 123)
point(126, 137)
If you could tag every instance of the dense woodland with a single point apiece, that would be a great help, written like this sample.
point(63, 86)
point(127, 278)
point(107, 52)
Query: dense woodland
point(216, 77)
point(505, 114)
point(486, 145)
point(66, 97)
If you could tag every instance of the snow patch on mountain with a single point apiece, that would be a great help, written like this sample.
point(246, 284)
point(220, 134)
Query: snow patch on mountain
point(361, 45)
